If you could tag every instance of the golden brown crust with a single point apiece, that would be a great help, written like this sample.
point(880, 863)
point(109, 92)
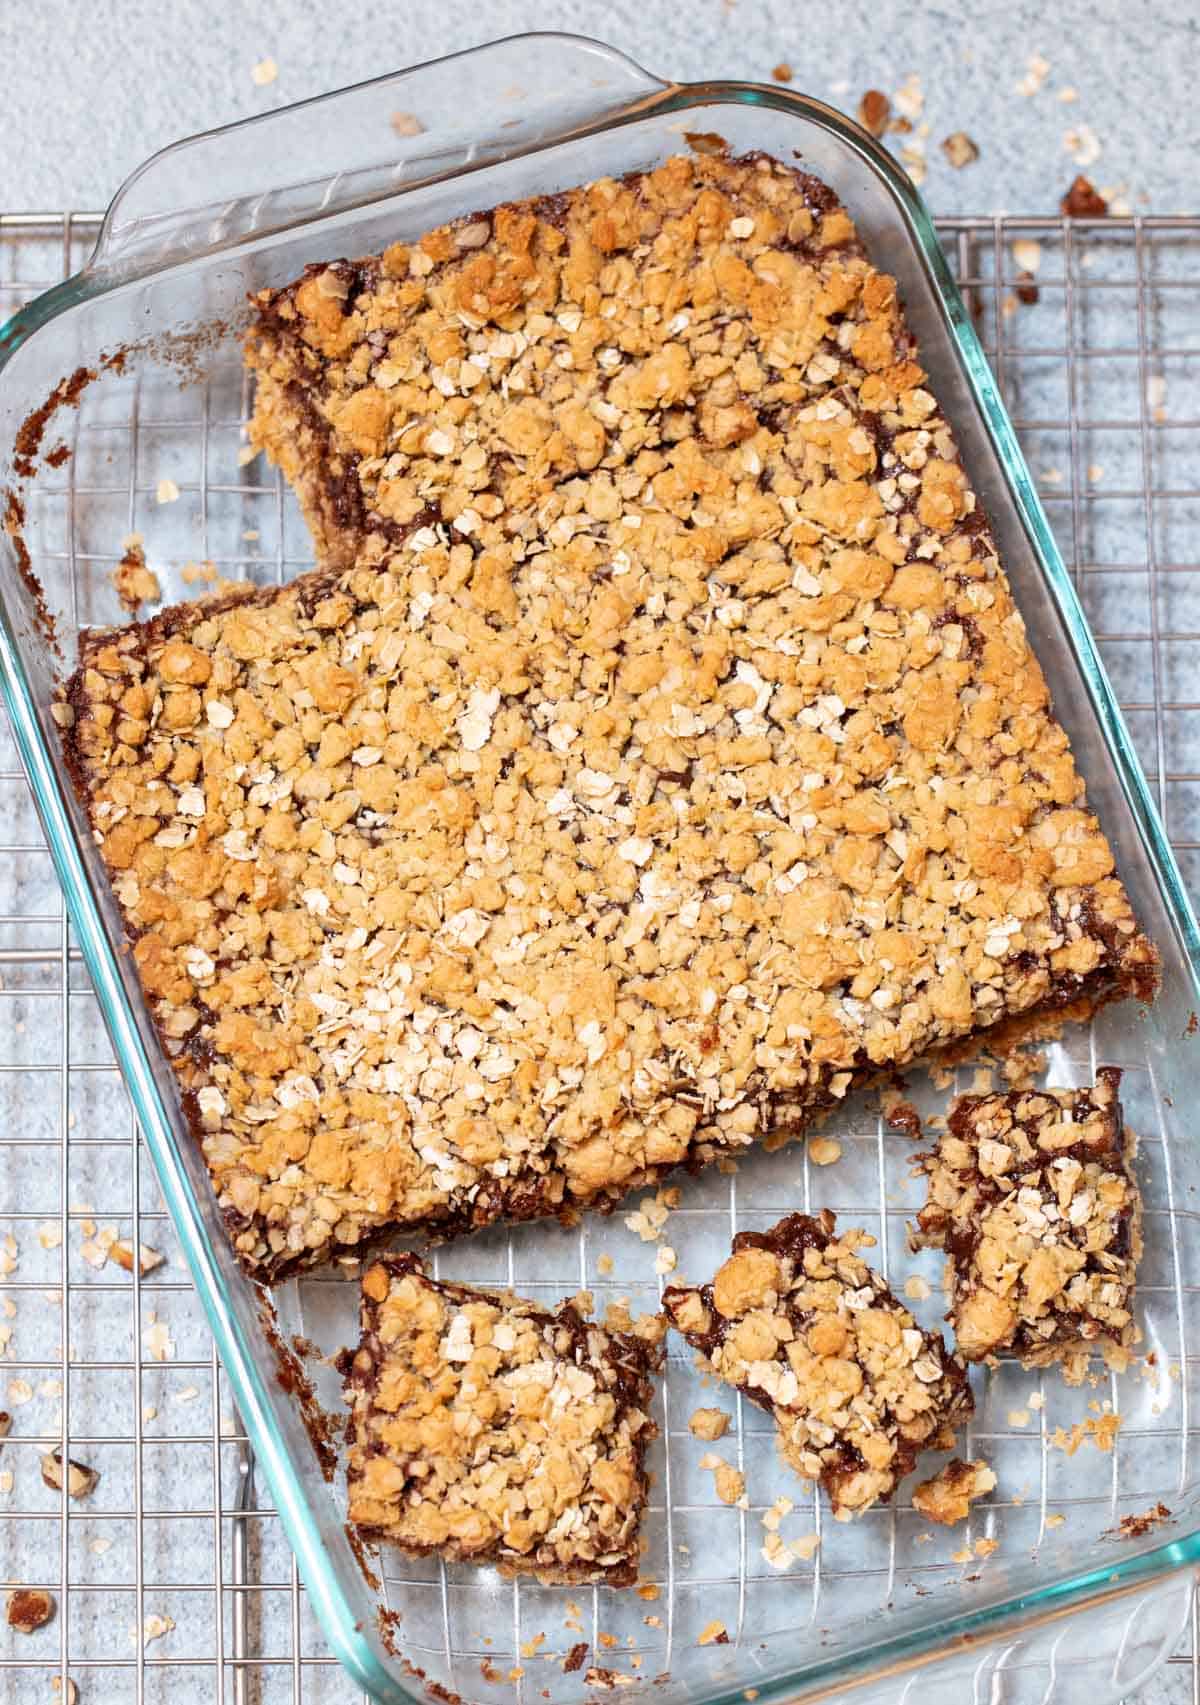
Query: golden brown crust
point(797, 1320)
point(1033, 1197)
point(670, 759)
point(486, 1430)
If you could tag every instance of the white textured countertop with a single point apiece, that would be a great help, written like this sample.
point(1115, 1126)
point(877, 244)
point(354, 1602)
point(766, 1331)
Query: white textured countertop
point(88, 91)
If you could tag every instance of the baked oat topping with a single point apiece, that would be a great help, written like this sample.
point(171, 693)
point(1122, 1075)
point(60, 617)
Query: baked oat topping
point(669, 757)
point(947, 1497)
point(799, 1322)
point(485, 1429)
point(1032, 1196)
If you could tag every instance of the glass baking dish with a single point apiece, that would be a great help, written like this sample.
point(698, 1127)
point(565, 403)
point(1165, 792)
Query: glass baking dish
point(190, 235)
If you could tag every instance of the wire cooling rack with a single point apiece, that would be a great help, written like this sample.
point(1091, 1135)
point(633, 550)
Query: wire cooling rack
point(176, 1580)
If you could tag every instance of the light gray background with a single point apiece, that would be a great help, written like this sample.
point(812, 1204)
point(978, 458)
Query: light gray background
point(88, 88)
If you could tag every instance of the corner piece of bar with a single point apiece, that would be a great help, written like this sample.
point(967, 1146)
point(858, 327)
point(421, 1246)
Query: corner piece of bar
point(485, 1429)
point(1032, 1196)
point(799, 1322)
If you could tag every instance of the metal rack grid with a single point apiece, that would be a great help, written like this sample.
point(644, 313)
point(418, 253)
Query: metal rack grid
point(186, 1536)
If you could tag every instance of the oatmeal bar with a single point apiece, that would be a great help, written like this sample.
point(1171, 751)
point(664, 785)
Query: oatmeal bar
point(677, 763)
point(1032, 1195)
point(798, 1321)
point(486, 1430)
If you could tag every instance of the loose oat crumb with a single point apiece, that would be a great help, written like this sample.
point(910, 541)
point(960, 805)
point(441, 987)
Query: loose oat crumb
point(264, 72)
point(912, 158)
point(1101, 1430)
point(960, 149)
point(1083, 145)
point(49, 1235)
point(134, 583)
point(730, 1481)
point(121, 1251)
point(772, 1517)
point(916, 1288)
point(81, 1480)
point(1018, 1417)
point(1068, 93)
point(28, 1609)
point(604, 1265)
point(947, 1497)
point(713, 1634)
point(6, 1480)
point(72, 1690)
point(154, 1627)
point(1027, 252)
point(407, 124)
point(649, 1591)
point(1083, 200)
point(909, 99)
point(1023, 1066)
point(166, 491)
point(156, 1336)
point(1134, 1526)
point(1036, 71)
point(665, 1260)
point(99, 1546)
point(19, 1392)
point(874, 111)
point(529, 1648)
point(782, 72)
point(1055, 1520)
point(650, 1216)
point(709, 1424)
point(964, 1555)
point(985, 1547)
point(824, 1151)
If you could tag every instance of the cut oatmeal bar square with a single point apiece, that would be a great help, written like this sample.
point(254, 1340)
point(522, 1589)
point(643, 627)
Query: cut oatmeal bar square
point(488, 1430)
point(799, 1322)
point(657, 754)
point(1032, 1196)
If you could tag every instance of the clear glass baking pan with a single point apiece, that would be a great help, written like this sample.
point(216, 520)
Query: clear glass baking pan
point(190, 235)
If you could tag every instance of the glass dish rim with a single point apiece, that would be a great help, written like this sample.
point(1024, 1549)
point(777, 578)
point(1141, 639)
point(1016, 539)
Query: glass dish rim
point(249, 1382)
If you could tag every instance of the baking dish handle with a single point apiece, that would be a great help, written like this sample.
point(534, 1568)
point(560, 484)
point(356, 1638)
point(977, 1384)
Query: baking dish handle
point(365, 143)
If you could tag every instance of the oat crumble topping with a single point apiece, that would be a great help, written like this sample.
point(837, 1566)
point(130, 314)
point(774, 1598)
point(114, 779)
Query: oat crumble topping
point(488, 1430)
point(1033, 1198)
point(807, 1330)
point(657, 753)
